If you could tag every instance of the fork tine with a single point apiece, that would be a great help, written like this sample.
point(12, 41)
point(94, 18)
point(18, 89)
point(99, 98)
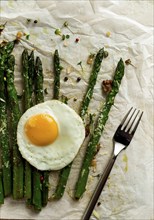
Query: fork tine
point(130, 126)
point(129, 119)
point(124, 119)
point(137, 123)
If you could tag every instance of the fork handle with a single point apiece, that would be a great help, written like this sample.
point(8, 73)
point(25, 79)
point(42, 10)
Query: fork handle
point(99, 188)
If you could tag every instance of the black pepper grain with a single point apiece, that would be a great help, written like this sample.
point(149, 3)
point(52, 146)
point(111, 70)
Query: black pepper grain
point(78, 79)
point(65, 79)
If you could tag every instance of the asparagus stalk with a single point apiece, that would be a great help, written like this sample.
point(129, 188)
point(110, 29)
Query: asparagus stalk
point(103, 116)
point(64, 173)
point(18, 167)
point(40, 179)
point(92, 82)
point(1, 189)
point(45, 188)
point(57, 71)
point(4, 140)
point(27, 105)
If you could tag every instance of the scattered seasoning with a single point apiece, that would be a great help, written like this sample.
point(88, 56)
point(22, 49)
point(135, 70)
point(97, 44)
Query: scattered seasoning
point(90, 58)
point(78, 79)
point(18, 37)
point(63, 37)
point(65, 24)
point(41, 178)
point(75, 99)
point(28, 20)
point(64, 99)
point(35, 21)
point(106, 54)
point(67, 36)
point(99, 203)
point(65, 79)
point(80, 64)
point(107, 86)
point(46, 91)
point(27, 37)
point(77, 40)
point(128, 62)
point(58, 32)
point(2, 26)
point(108, 34)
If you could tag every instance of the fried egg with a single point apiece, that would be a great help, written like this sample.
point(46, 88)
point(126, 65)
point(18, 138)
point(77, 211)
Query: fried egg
point(49, 135)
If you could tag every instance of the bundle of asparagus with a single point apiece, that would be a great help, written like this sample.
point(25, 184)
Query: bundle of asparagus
point(103, 116)
point(28, 181)
point(36, 182)
point(64, 174)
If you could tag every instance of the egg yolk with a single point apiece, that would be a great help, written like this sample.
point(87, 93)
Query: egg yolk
point(41, 129)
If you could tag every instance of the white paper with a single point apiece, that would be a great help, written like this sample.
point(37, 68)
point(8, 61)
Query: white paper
point(128, 193)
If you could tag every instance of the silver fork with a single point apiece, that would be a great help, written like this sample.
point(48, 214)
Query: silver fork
point(122, 139)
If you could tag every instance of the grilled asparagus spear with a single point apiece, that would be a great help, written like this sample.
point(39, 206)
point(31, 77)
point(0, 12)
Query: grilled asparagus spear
point(40, 179)
point(57, 71)
point(18, 163)
point(64, 173)
point(27, 105)
point(92, 82)
point(4, 140)
point(91, 148)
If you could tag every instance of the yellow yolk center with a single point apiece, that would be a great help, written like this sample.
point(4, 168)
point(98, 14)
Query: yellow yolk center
point(41, 129)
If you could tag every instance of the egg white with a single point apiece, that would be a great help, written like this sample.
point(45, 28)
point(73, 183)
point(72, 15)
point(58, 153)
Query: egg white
point(64, 149)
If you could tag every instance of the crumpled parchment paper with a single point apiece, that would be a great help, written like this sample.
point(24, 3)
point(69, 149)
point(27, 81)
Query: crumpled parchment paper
point(128, 193)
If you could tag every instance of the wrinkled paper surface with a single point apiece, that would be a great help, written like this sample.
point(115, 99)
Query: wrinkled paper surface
point(128, 193)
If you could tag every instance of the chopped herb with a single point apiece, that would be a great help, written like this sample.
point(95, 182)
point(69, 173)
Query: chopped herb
point(28, 20)
point(106, 54)
point(58, 32)
point(128, 62)
point(65, 24)
point(78, 79)
point(67, 36)
point(46, 91)
point(35, 21)
point(27, 37)
point(80, 64)
point(63, 37)
point(65, 79)
point(75, 99)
